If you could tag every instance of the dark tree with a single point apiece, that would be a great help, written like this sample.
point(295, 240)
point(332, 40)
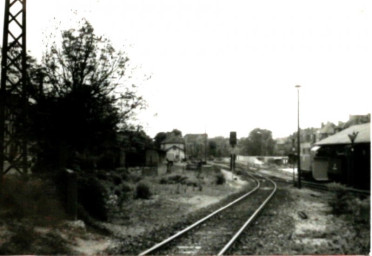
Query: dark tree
point(219, 147)
point(81, 109)
point(158, 139)
point(212, 148)
point(258, 143)
point(135, 142)
point(177, 132)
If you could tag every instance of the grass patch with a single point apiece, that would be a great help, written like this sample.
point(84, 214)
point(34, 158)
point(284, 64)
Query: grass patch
point(30, 197)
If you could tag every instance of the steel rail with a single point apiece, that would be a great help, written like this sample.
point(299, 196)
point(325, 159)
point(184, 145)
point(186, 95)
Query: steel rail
point(253, 216)
point(179, 233)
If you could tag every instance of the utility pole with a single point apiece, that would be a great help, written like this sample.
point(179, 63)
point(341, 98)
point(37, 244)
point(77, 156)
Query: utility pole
point(13, 98)
point(298, 138)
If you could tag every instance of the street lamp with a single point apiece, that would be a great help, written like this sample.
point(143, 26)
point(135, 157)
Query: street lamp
point(298, 137)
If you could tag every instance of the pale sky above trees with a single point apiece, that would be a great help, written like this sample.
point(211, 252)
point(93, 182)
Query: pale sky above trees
point(221, 66)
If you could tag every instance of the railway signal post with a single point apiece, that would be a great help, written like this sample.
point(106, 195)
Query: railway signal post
point(233, 154)
point(298, 137)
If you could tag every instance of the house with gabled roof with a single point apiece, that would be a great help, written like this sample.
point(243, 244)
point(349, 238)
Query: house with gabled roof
point(174, 146)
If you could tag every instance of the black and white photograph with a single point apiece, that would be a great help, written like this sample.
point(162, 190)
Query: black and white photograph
point(185, 127)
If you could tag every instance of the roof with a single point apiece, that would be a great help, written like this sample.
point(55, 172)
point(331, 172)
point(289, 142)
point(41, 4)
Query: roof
point(172, 139)
point(175, 147)
point(342, 137)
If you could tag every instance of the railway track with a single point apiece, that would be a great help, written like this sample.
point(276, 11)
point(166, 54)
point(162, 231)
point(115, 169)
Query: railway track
point(216, 232)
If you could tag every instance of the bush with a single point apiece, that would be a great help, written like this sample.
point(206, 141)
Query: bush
point(102, 175)
point(361, 211)
point(32, 197)
point(135, 177)
point(340, 204)
point(122, 189)
point(220, 179)
point(143, 191)
point(116, 179)
point(239, 172)
point(126, 187)
point(163, 181)
point(92, 195)
point(174, 179)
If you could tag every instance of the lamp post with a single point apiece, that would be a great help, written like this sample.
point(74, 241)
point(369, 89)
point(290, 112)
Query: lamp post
point(298, 138)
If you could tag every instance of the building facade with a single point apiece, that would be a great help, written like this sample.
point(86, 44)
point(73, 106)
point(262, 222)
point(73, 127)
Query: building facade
point(174, 146)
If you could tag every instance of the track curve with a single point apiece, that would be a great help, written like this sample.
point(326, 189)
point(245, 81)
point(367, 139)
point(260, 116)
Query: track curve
point(209, 236)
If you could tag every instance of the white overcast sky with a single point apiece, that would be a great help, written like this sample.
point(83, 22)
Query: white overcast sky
point(221, 66)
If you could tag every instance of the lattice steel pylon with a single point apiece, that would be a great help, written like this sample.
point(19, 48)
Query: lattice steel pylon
point(13, 99)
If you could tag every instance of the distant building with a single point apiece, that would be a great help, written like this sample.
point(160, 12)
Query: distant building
point(196, 145)
point(326, 130)
point(174, 146)
point(357, 119)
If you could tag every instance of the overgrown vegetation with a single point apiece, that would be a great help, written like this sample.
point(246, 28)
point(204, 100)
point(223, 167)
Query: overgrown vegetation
point(24, 240)
point(80, 102)
point(26, 202)
point(142, 191)
point(181, 179)
point(258, 143)
point(220, 179)
point(356, 211)
point(33, 197)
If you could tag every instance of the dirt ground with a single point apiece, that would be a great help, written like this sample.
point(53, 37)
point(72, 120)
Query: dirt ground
point(301, 221)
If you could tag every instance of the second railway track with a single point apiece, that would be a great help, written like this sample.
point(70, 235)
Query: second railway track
point(215, 233)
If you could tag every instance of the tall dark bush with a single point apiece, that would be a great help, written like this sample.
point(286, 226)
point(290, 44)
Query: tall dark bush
point(143, 191)
point(220, 179)
point(92, 196)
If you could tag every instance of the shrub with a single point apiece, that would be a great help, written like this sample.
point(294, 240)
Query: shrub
point(163, 181)
point(101, 175)
point(239, 172)
point(92, 195)
point(142, 191)
point(340, 204)
point(135, 177)
point(126, 187)
point(32, 197)
point(191, 183)
point(361, 210)
point(220, 179)
point(116, 179)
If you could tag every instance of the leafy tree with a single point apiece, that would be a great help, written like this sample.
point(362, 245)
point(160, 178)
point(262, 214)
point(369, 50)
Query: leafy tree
point(177, 132)
point(258, 143)
point(135, 142)
point(212, 148)
point(158, 139)
point(161, 136)
point(219, 147)
point(81, 108)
